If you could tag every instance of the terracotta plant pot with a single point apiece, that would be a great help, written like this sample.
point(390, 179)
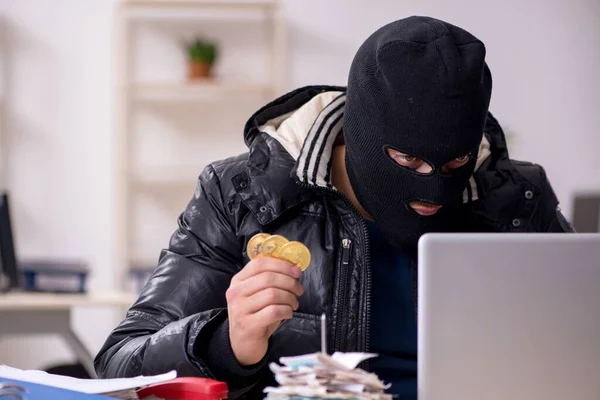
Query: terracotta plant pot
point(198, 70)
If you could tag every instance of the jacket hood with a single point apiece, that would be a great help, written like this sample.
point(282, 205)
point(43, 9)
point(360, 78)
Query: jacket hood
point(304, 124)
point(281, 108)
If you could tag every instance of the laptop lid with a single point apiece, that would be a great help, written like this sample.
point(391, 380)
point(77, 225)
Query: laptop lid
point(509, 316)
point(9, 277)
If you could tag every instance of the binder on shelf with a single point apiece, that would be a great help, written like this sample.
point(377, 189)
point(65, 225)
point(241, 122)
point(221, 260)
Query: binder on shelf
point(54, 276)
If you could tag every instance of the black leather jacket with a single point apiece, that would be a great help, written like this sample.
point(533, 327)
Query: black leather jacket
point(180, 320)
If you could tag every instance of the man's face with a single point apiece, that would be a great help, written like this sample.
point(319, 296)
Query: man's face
point(421, 167)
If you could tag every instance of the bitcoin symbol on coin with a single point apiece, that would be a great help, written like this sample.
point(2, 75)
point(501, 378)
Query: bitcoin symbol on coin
point(271, 245)
point(253, 248)
point(296, 253)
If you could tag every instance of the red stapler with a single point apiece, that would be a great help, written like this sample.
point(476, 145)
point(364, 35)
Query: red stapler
point(186, 389)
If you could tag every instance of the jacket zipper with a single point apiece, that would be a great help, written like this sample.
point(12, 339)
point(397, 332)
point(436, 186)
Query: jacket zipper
point(343, 283)
point(343, 290)
point(346, 251)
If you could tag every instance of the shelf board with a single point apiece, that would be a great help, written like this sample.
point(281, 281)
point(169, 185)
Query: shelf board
point(167, 176)
point(201, 91)
point(193, 10)
point(203, 3)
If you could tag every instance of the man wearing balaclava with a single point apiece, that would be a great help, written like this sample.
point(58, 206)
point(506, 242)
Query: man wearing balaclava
point(420, 87)
point(357, 174)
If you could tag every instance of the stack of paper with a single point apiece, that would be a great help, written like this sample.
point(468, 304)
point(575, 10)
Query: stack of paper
point(320, 376)
point(122, 388)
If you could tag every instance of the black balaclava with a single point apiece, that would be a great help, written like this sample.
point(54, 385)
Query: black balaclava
point(420, 86)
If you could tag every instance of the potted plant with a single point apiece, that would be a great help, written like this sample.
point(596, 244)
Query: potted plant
point(201, 57)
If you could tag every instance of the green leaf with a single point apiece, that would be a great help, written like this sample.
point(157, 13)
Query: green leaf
point(201, 50)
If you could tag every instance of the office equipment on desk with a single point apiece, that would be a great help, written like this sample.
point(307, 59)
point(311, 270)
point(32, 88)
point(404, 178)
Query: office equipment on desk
point(508, 316)
point(9, 277)
point(186, 389)
point(11, 389)
point(121, 388)
point(54, 276)
point(50, 276)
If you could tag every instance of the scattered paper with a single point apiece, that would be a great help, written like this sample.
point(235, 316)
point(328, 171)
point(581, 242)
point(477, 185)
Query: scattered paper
point(351, 360)
point(90, 386)
point(322, 376)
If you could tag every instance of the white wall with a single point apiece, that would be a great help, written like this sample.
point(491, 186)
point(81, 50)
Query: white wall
point(544, 57)
point(59, 122)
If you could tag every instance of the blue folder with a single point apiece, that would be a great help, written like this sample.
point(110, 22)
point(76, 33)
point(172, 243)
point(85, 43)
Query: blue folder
point(33, 391)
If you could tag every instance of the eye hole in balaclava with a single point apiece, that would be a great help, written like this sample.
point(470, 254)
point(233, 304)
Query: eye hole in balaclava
point(408, 162)
point(423, 167)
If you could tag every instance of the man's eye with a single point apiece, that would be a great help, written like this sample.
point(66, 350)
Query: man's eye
point(406, 160)
point(462, 159)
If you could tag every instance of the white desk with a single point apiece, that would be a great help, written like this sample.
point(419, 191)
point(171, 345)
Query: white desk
point(46, 313)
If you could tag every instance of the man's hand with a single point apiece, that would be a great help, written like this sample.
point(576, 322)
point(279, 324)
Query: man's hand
point(260, 296)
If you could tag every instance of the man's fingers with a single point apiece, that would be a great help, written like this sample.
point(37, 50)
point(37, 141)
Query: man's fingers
point(272, 314)
point(266, 280)
point(268, 297)
point(267, 264)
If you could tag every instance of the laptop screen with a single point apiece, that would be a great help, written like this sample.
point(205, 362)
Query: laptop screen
point(9, 277)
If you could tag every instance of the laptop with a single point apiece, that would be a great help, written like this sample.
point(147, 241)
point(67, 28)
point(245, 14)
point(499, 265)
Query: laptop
point(509, 316)
point(9, 276)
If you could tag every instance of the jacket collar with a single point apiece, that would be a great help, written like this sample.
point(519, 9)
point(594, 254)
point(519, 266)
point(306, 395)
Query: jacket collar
point(266, 186)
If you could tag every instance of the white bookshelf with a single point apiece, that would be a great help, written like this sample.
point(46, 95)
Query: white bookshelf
point(186, 92)
point(146, 94)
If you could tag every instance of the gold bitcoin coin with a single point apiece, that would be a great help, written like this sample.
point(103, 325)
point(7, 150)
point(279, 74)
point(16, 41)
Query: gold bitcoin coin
point(254, 244)
point(296, 253)
point(271, 245)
